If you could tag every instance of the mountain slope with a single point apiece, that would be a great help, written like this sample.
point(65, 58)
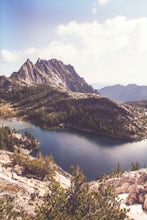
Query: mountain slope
point(52, 72)
point(50, 107)
point(6, 83)
point(131, 92)
point(51, 94)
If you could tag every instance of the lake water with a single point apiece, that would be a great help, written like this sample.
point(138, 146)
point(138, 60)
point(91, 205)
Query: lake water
point(94, 154)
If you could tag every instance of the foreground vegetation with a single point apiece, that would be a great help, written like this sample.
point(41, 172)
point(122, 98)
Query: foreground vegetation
point(38, 168)
point(77, 202)
point(9, 140)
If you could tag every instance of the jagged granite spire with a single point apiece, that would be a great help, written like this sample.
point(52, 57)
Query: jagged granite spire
point(53, 72)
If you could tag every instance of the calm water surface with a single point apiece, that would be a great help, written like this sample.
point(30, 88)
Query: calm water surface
point(94, 154)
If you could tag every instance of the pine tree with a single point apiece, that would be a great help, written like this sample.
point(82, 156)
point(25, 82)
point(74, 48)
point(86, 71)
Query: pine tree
point(79, 202)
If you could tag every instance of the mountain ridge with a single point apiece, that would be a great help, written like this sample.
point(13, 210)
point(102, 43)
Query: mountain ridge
point(131, 92)
point(53, 72)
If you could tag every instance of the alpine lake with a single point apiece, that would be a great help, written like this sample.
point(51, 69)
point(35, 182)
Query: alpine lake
point(94, 154)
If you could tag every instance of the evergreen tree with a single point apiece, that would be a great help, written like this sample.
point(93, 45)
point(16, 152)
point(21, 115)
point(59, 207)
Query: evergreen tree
point(79, 202)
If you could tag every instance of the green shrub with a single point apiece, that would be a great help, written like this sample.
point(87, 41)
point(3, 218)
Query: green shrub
point(79, 202)
point(8, 211)
point(6, 139)
point(135, 166)
point(39, 168)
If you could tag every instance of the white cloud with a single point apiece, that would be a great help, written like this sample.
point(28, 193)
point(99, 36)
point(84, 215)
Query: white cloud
point(7, 56)
point(103, 2)
point(30, 51)
point(113, 51)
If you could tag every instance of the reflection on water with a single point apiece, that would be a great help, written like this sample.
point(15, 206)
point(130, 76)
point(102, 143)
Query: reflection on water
point(15, 124)
point(95, 155)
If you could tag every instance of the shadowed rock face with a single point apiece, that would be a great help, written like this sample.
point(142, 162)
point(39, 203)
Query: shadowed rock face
point(52, 72)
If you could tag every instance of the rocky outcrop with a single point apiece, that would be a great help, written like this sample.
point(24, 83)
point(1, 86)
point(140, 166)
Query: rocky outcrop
point(136, 197)
point(131, 187)
point(130, 181)
point(25, 191)
point(52, 72)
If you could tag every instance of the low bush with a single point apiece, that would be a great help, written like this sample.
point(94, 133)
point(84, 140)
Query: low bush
point(39, 168)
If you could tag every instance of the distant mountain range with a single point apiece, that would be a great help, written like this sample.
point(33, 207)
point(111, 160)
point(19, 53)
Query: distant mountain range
point(51, 94)
point(131, 92)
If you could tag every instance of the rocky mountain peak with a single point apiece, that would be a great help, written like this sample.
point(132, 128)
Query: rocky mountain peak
point(55, 61)
point(28, 65)
point(28, 61)
point(40, 62)
point(25, 73)
point(53, 72)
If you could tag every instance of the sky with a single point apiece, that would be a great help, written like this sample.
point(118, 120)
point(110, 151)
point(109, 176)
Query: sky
point(105, 40)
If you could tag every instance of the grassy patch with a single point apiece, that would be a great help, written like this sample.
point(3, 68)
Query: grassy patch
point(6, 110)
point(8, 187)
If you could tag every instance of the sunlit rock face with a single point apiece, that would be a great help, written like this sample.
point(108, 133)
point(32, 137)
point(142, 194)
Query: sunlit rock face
point(52, 72)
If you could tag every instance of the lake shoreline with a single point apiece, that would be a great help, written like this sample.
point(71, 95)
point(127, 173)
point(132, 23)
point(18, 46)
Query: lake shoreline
point(76, 128)
point(94, 154)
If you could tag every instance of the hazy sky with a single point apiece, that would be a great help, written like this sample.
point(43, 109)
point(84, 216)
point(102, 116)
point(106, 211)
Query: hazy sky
point(105, 40)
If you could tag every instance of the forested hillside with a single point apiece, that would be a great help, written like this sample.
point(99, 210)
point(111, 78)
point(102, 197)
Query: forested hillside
point(51, 107)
